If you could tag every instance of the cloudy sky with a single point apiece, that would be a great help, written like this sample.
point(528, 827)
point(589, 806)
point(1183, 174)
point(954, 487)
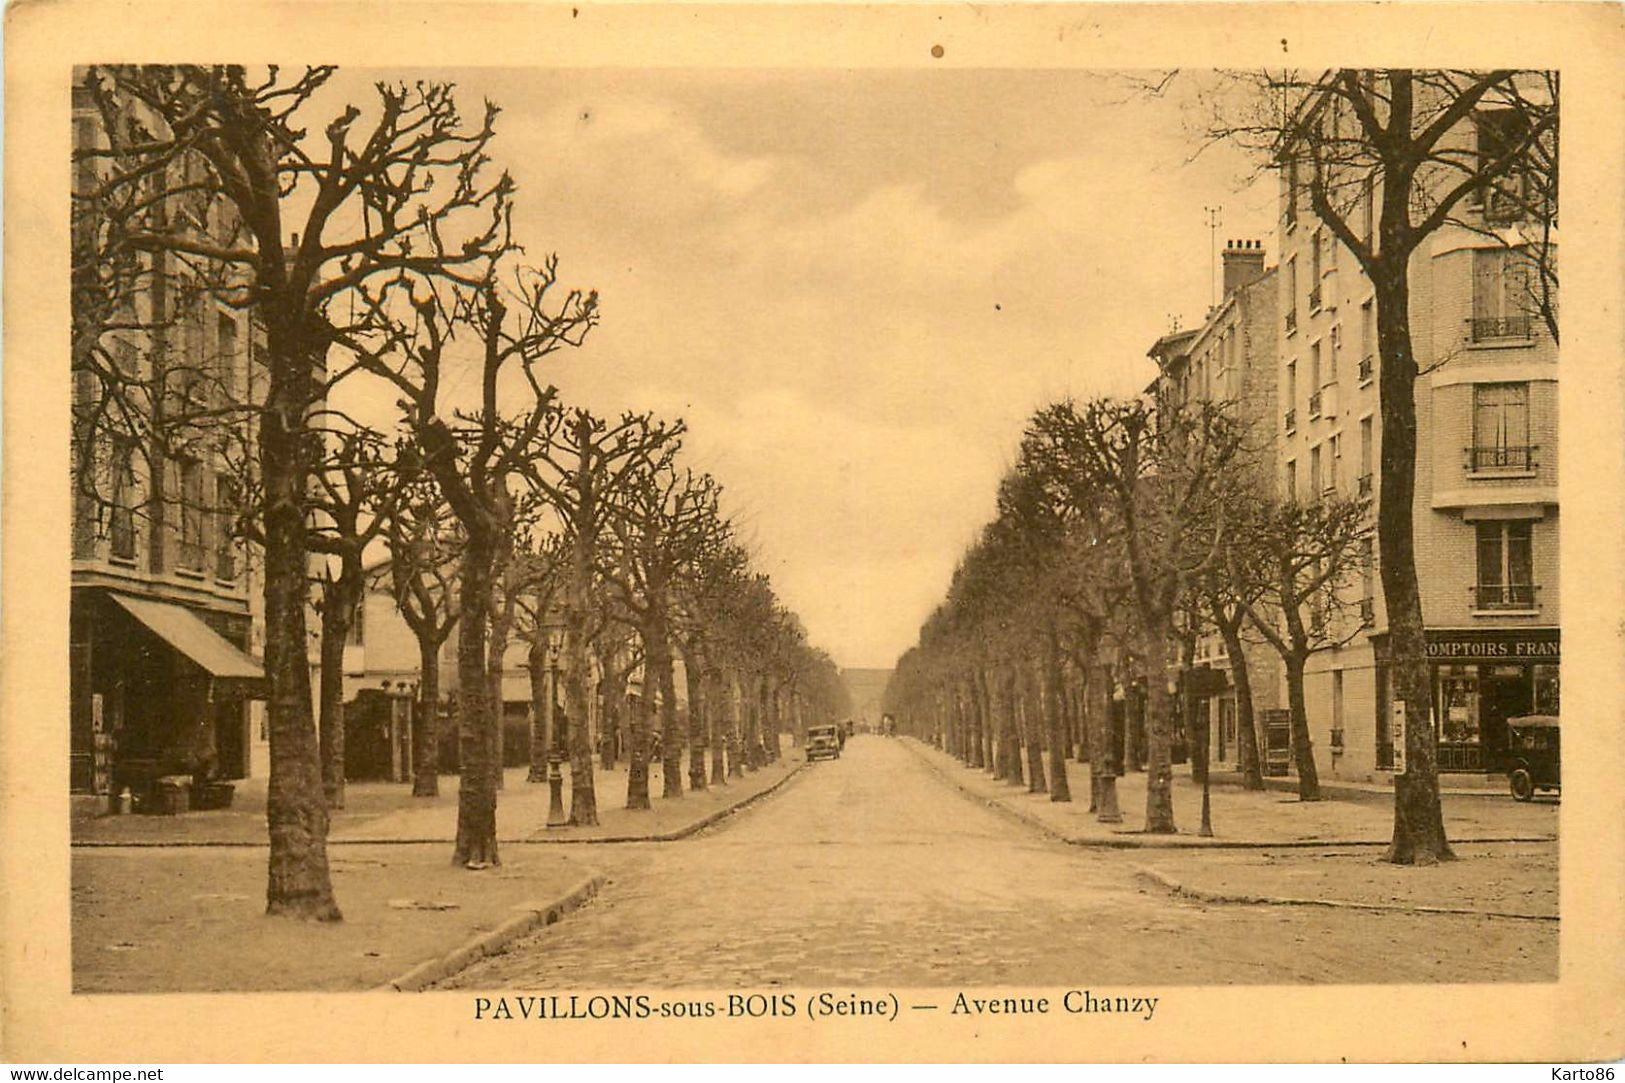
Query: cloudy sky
point(855, 285)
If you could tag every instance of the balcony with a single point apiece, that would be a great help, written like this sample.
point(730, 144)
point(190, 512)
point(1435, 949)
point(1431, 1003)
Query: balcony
point(1502, 328)
point(1314, 405)
point(1364, 485)
point(1314, 299)
point(1291, 321)
point(1499, 460)
point(1368, 612)
point(1292, 421)
point(1368, 365)
point(1505, 596)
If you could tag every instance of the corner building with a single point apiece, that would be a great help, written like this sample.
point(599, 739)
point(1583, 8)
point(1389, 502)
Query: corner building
point(1486, 504)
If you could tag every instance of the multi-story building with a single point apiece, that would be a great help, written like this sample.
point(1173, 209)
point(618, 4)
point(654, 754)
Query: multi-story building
point(1231, 359)
point(161, 677)
point(1486, 506)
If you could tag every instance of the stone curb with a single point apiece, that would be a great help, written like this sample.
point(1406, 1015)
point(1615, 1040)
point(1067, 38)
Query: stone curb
point(1140, 841)
point(495, 940)
point(1174, 887)
point(683, 832)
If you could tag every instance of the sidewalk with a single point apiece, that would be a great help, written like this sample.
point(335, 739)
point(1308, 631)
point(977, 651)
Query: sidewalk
point(387, 812)
point(1241, 818)
point(1497, 879)
point(193, 920)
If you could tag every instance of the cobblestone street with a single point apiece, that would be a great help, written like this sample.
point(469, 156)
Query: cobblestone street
point(870, 870)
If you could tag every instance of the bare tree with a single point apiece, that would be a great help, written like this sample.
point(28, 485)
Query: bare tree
point(1388, 146)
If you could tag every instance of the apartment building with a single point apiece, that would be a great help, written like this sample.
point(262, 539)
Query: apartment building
point(160, 623)
point(1486, 502)
point(1231, 359)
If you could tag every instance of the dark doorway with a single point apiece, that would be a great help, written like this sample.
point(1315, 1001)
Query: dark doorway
point(1505, 692)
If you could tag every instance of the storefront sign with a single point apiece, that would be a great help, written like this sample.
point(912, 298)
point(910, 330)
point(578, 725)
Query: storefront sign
point(1535, 644)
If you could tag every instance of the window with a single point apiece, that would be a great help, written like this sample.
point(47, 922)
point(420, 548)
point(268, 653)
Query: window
point(1292, 479)
point(1368, 582)
point(192, 515)
point(226, 362)
point(1291, 295)
point(1336, 443)
point(1458, 704)
point(1316, 244)
point(1501, 133)
point(1546, 690)
point(1500, 428)
point(1314, 472)
point(1368, 211)
point(1315, 382)
point(1365, 456)
point(1368, 340)
point(1505, 565)
point(356, 636)
point(1500, 293)
point(1331, 360)
point(225, 511)
point(121, 517)
point(1337, 709)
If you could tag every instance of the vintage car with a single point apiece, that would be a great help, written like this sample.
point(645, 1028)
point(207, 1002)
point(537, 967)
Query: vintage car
point(1533, 755)
point(822, 743)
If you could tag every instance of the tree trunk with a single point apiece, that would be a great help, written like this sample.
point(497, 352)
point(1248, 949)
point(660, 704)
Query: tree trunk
point(612, 718)
point(540, 710)
point(298, 882)
point(1419, 835)
point(640, 717)
point(1103, 765)
point(426, 730)
point(476, 846)
point(330, 728)
point(978, 722)
point(736, 726)
point(698, 713)
point(1252, 772)
point(1032, 728)
point(990, 760)
point(716, 724)
point(1159, 792)
point(1055, 715)
point(1303, 752)
point(657, 644)
point(495, 664)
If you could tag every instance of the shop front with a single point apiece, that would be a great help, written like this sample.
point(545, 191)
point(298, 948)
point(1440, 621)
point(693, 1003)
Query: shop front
point(1482, 677)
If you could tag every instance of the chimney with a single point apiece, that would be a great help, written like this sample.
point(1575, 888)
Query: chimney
point(1243, 263)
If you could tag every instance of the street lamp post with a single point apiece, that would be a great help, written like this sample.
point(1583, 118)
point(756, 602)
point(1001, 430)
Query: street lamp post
point(555, 757)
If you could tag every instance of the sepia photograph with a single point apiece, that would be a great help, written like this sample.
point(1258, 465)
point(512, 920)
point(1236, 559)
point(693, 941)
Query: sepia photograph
point(946, 543)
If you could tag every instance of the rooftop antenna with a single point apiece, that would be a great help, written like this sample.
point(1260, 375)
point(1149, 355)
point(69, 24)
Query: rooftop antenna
point(1213, 220)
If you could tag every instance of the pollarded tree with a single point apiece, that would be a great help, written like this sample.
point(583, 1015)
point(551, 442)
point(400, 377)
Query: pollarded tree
point(1156, 468)
point(312, 218)
point(583, 463)
point(1394, 148)
point(1311, 554)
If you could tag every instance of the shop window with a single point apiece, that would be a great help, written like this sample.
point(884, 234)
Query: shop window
point(1505, 565)
point(1501, 134)
point(1546, 690)
point(1458, 705)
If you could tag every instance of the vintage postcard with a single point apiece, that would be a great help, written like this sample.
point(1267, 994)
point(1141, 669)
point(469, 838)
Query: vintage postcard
point(593, 532)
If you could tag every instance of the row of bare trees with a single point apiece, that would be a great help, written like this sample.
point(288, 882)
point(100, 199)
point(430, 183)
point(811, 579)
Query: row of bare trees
point(1125, 531)
point(391, 396)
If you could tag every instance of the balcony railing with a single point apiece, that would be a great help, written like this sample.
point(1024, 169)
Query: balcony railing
point(1314, 404)
point(1365, 484)
point(1314, 299)
point(1483, 459)
point(1291, 420)
point(1498, 328)
point(1368, 612)
point(1368, 364)
point(1504, 596)
point(1291, 321)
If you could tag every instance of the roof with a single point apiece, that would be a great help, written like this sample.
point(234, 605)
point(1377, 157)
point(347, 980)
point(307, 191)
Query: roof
point(185, 631)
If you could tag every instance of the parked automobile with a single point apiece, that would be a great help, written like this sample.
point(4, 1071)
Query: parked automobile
point(1533, 755)
point(822, 743)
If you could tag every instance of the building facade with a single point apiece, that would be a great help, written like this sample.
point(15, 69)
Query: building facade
point(160, 624)
point(1486, 504)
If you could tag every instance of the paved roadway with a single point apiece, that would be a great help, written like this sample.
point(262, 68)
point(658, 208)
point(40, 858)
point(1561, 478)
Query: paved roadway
point(871, 870)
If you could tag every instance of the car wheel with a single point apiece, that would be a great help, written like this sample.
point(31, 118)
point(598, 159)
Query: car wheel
point(1523, 787)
